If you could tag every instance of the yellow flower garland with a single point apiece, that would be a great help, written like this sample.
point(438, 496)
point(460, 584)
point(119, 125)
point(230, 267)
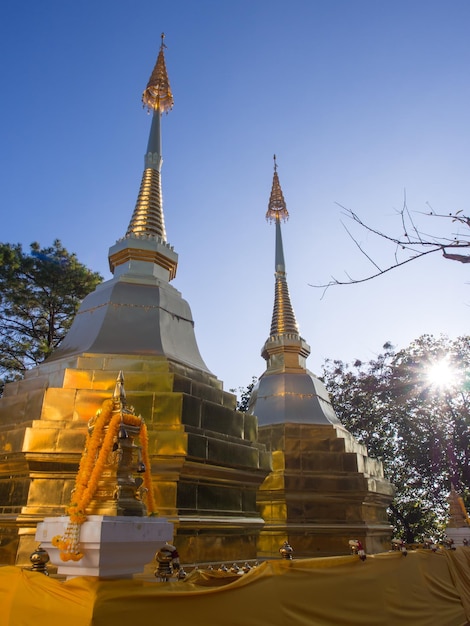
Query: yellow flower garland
point(76, 510)
point(151, 505)
point(97, 449)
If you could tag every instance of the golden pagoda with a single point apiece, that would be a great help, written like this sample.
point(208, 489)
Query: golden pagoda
point(206, 462)
point(323, 490)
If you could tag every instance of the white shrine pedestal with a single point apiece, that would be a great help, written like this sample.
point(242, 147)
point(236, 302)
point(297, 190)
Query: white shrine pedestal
point(112, 546)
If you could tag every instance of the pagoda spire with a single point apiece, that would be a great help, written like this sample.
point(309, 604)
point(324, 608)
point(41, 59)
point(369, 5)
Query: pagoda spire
point(286, 391)
point(283, 319)
point(285, 350)
point(147, 223)
point(157, 98)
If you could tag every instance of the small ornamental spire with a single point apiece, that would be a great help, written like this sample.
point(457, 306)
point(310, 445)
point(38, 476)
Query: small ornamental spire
point(157, 95)
point(277, 208)
point(119, 395)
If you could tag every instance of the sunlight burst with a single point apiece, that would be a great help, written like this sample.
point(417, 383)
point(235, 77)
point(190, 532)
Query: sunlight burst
point(441, 374)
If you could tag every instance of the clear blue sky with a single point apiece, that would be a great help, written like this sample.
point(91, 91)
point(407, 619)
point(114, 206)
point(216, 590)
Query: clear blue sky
point(359, 99)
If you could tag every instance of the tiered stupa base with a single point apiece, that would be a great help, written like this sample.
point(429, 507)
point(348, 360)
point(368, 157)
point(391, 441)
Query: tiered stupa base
point(206, 462)
point(323, 491)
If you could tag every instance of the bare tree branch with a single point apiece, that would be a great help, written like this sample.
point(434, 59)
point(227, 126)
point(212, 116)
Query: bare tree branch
point(414, 242)
point(456, 257)
point(361, 248)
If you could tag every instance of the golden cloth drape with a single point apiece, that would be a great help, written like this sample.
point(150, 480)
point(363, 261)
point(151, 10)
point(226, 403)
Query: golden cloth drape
point(422, 589)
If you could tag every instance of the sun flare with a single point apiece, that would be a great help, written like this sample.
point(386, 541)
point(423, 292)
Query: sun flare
point(441, 374)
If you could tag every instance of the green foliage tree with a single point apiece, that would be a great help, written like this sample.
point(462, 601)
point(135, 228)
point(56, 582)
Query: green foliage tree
point(243, 399)
point(411, 409)
point(40, 293)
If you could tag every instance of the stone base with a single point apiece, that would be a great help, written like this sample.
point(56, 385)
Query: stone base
point(113, 546)
point(458, 535)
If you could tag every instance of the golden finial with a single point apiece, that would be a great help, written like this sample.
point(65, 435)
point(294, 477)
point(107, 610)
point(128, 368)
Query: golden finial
point(277, 208)
point(157, 95)
point(119, 395)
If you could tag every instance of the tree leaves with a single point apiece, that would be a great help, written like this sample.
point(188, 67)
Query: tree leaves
point(245, 394)
point(420, 430)
point(40, 293)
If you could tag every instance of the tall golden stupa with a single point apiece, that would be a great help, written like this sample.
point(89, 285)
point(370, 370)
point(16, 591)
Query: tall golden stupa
point(206, 461)
point(324, 489)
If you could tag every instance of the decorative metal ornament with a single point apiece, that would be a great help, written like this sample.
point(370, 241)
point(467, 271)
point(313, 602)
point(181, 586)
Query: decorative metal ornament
point(449, 543)
point(39, 559)
point(357, 548)
point(399, 545)
point(168, 563)
point(286, 551)
point(429, 544)
point(164, 571)
point(277, 208)
point(157, 95)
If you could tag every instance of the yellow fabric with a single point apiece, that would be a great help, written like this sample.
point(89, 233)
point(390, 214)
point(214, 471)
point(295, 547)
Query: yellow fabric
point(422, 589)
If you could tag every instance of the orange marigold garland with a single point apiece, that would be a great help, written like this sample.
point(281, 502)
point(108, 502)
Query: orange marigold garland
point(95, 455)
point(76, 509)
point(151, 505)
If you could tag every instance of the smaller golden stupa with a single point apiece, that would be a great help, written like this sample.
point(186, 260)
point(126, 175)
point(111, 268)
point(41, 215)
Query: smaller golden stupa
point(323, 490)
